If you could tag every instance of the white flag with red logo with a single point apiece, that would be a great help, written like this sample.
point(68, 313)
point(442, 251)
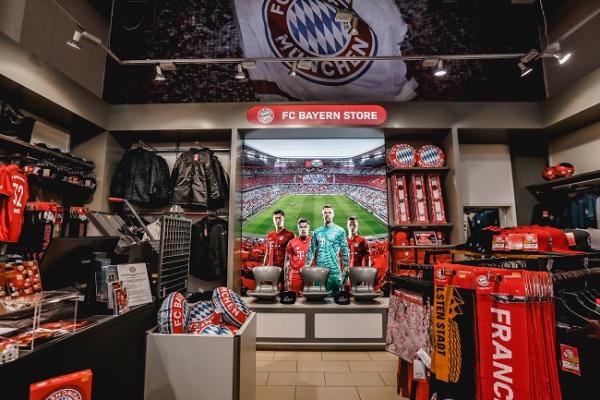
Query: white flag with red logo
point(307, 28)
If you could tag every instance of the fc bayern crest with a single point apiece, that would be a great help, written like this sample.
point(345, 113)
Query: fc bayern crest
point(65, 394)
point(307, 28)
point(265, 115)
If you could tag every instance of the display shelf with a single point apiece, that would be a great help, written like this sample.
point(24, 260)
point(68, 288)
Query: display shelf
point(73, 189)
point(417, 226)
point(418, 169)
point(579, 182)
point(439, 246)
point(18, 145)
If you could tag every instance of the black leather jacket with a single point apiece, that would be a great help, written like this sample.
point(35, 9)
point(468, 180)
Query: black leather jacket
point(142, 177)
point(199, 180)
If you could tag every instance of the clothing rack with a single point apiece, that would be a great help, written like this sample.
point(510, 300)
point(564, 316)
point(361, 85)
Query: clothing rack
point(577, 183)
point(18, 156)
point(569, 276)
point(179, 149)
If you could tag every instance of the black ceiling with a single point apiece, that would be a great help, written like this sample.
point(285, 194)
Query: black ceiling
point(208, 28)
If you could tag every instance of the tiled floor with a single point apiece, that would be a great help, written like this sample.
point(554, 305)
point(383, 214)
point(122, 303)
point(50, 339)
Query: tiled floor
point(330, 375)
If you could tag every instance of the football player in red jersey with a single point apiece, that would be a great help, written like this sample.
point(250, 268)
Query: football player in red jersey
point(277, 240)
point(295, 256)
point(359, 248)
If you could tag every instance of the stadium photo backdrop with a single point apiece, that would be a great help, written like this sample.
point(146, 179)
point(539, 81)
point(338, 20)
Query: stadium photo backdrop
point(299, 177)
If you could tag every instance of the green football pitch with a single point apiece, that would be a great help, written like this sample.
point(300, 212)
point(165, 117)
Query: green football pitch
point(308, 206)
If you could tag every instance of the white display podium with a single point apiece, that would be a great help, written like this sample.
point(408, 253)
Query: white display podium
point(202, 367)
point(320, 325)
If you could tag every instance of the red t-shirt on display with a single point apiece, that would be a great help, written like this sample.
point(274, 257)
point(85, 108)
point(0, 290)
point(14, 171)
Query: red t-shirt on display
point(276, 245)
point(359, 251)
point(13, 184)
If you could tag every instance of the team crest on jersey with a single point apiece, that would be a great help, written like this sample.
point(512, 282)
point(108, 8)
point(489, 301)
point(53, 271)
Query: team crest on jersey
point(65, 394)
point(307, 28)
point(356, 244)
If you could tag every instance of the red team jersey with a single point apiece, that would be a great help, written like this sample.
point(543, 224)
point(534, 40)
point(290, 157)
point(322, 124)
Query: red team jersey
point(15, 192)
point(296, 252)
point(359, 251)
point(276, 244)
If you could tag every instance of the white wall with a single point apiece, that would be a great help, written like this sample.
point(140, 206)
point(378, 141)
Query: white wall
point(486, 177)
point(46, 29)
point(580, 148)
point(581, 43)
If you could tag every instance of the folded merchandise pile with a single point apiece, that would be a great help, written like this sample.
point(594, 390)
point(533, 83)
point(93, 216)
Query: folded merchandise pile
point(223, 315)
point(533, 238)
point(56, 170)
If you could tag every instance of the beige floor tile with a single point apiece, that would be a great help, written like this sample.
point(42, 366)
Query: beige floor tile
point(297, 355)
point(378, 393)
point(323, 366)
point(276, 366)
point(326, 393)
point(373, 366)
point(275, 392)
point(345, 355)
point(261, 378)
point(296, 379)
point(353, 379)
point(389, 378)
point(382, 356)
point(265, 355)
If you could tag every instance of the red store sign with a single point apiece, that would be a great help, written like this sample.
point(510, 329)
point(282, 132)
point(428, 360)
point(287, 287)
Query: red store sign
point(316, 115)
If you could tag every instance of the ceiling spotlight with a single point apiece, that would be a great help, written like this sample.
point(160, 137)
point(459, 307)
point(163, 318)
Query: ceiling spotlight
point(354, 30)
point(343, 15)
point(562, 58)
point(553, 50)
point(525, 69)
point(250, 64)
point(304, 65)
point(159, 77)
point(293, 73)
point(240, 75)
point(440, 70)
point(75, 41)
point(169, 66)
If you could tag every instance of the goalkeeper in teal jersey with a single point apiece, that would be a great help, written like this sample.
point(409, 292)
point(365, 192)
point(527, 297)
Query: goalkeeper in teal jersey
point(327, 242)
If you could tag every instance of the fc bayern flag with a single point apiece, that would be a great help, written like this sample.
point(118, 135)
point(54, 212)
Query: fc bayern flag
point(307, 28)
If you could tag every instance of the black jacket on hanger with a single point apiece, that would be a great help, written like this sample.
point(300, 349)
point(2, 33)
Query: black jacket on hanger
point(199, 180)
point(142, 177)
point(208, 258)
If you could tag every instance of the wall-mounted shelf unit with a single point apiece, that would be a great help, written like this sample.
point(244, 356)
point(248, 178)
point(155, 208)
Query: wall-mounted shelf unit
point(19, 146)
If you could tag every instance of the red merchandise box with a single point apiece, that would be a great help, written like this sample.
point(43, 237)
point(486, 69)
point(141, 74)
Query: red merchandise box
point(75, 386)
point(419, 199)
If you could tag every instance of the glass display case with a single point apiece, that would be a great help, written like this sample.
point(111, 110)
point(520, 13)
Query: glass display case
point(32, 320)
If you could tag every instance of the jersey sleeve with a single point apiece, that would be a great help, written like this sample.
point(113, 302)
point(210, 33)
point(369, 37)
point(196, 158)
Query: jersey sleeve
point(365, 255)
point(267, 252)
point(311, 250)
point(344, 248)
point(5, 186)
